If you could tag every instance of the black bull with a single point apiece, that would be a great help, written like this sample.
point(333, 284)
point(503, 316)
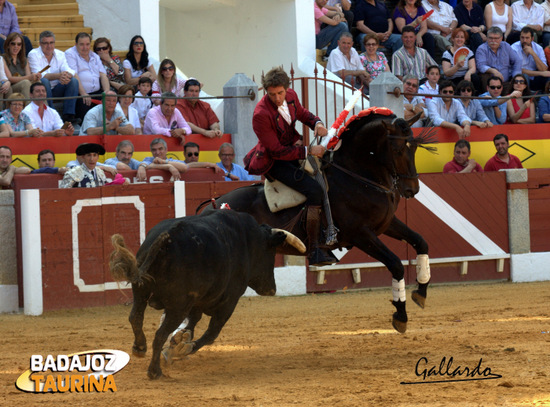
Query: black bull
point(366, 175)
point(195, 265)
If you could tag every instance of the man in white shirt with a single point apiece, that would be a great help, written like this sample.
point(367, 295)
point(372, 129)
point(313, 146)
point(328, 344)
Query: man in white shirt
point(43, 117)
point(441, 23)
point(525, 13)
point(59, 78)
point(344, 61)
point(90, 71)
point(533, 60)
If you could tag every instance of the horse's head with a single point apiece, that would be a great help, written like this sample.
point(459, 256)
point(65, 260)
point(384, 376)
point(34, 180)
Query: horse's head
point(404, 146)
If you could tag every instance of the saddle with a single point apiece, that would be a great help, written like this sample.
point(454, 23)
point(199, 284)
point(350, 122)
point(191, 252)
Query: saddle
point(280, 196)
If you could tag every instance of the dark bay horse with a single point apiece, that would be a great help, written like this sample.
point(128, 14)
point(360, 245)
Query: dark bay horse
point(366, 175)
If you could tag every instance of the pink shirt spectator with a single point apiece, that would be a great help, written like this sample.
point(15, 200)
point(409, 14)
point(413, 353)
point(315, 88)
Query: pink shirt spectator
point(156, 123)
point(318, 13)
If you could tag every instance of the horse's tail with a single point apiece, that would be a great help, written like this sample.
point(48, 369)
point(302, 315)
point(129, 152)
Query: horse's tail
point(122, 262)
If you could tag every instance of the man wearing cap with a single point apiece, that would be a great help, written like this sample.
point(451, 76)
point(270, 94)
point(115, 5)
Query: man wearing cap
point(87, 175)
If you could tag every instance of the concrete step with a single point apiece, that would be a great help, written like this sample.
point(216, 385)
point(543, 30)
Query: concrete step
point(38, 2)
point(62, 33)
point(41, 9)
point(51, 22)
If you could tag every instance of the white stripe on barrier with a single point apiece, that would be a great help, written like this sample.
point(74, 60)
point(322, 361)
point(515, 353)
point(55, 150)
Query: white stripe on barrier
point(456, 221)
point(179, 199)
point(31, 252)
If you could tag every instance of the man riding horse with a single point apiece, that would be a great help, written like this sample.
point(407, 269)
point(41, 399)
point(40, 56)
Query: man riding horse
point(280, 147)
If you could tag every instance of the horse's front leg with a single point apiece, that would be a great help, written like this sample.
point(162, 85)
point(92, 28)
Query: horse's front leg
point(398, 230)
point(370, 244)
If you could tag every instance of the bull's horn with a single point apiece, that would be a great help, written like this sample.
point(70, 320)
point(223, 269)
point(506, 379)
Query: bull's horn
point(292, 240)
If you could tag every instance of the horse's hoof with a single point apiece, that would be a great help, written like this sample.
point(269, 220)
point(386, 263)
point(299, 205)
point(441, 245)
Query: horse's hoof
point(154, 375)
point(418, 299)
point(398, 325)
point(140, 353)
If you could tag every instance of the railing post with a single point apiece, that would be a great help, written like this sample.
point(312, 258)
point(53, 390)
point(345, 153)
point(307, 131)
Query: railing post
point(104, 116)
point(237, 114)
point(9, 298)
point(379, 96)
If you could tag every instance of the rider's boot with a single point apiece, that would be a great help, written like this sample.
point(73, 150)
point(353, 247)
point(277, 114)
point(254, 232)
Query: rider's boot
point(317, 256)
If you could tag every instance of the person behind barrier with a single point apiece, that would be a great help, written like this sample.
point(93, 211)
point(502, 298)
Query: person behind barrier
point(413, 104)
point(125, 104)
point(86, 175)
point(18, 123)
point(410, 59)
point(166, 120)
point(233, 172)
point(496, 57)
point(280, 147)
point(521, 110)
point(461, 162)
point(43, 117)
point(502, 159)
point(46, 164)
point(191, 153)
point(448, 112)
point(472, 107)
point(123, 160)
point(59, 78)
point(493, 104)
point(116, 121)
point(143, 104)
point(198, 114)
point(7, 171)
point(533, 60)
point(160, 161)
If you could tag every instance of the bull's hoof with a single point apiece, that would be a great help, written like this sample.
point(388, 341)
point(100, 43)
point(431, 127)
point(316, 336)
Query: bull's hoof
point(166, 356)
point(418, 299)
point(181, 336)
point(139, 352)
point(183, 349)
point(398, 325)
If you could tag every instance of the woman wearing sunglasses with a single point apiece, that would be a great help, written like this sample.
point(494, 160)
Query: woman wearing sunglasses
point(521, 109)
point(472, 107)
point(167, 81)
point(112, 63)
point(137, 64)
point(16, 65)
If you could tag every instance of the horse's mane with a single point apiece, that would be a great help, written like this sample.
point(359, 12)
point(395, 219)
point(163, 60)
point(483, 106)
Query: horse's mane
point(427, 136)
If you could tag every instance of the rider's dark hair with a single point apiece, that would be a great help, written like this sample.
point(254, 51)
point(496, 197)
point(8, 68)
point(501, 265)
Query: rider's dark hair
point(276, 77)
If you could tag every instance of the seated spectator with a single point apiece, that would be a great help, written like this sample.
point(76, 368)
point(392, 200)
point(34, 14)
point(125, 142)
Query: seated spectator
point(544, 105)
point(160, 161)
point(342, 7)
point(116, 122)
point(137, 64)
point(344, 61)
point(9, 23)
point(430, 87)
point(472, 107)
point(125, 104)
point(441, 23)
point(86, 175)
point(465, 67)
point(7, 171)
point(191, 153)
point(166, 120)
point(167, 81)
point(198, 114)
point(533, 59)
point(5, 85)
point(448, 112)
point(143, 104)
point(59, 78)
point(373, 17)
point(410, 59)
point(233, 172)
point(89, 70)
point(328, 36)
point(18, 123)
point(123, 160)
point(496, 57)
point(526, 13)
point(409, 13)
point(521, 109)
point(461, 162)
point(494, 105)
point(373, 61)
point(470, 18)
point(413, 104)
point(4, 131)
point(16, 66)
point(111, 63)
point(502, 159)
point(46, 164)
point(499, 14)
point(546, 29)
point(45, 118)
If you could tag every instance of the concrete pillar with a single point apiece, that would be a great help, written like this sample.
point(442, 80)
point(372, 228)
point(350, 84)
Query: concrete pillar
point(518, 213)
point(378, 93)
point(237, 114)
point(9, 298)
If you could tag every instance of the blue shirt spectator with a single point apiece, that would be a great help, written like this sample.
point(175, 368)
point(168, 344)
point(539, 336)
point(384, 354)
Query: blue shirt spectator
point(134, 164)
point(497, 57)
point(488, 107)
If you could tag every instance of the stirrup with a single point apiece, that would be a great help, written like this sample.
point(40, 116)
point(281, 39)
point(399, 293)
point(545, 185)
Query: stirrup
point(320, 257)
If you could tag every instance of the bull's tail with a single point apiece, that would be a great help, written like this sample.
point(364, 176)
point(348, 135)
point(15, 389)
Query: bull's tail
point(123, 263)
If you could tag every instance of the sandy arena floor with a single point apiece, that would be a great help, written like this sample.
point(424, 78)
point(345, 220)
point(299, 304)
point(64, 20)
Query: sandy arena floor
point(315, 350)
